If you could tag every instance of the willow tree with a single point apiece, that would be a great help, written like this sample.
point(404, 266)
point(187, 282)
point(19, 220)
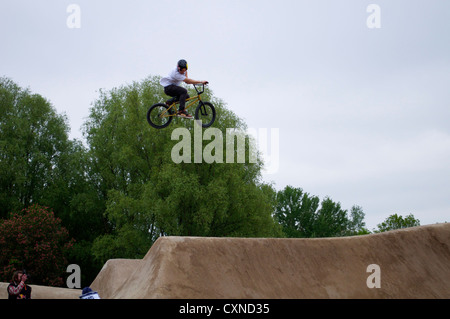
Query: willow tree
point(149, 194)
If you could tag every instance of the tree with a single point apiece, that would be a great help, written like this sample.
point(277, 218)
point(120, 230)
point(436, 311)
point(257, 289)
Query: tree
point(32, 139)
point(148, 195)
point(295, 211)
point(34, 239)
point(397, 222)
point(357, 224)
point(300, 216)
point(40, 165)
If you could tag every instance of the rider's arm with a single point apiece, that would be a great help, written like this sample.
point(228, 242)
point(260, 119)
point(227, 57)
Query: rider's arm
point(191, 81)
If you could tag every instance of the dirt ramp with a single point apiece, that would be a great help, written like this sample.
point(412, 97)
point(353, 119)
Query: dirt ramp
point(413, 263)
point(113, 274)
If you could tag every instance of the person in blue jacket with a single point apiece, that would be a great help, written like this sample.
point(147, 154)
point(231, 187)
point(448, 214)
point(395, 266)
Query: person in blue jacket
point(88, 293)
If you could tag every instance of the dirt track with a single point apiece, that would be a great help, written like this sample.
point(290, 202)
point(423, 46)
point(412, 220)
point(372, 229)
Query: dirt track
point(44, 292)
point(414, 263)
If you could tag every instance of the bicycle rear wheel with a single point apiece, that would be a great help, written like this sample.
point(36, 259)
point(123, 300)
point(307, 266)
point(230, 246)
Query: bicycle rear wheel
point(206, 113)
point(159, 116)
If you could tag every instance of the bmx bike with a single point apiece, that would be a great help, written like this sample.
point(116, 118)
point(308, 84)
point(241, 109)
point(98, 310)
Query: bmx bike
point(160, 115)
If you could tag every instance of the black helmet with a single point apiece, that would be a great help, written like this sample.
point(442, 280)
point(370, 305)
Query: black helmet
point(182, 64)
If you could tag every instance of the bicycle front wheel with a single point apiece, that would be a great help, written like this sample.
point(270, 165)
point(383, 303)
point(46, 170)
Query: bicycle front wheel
point(206, 113)
point(159, 116)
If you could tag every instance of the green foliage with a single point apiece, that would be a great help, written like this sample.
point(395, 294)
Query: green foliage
point(39, 164)
point(397, 222)
point(356, 225)
point(34, 240)
point(148, 195)
point(32, 140)
point(116, 196)
point(300, 216)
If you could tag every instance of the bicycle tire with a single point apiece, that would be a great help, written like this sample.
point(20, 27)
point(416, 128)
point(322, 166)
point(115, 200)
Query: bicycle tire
point(206, 113)
point(153, 116)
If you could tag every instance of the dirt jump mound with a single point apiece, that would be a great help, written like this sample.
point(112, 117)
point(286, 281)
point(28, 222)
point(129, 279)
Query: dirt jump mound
point(407, 263)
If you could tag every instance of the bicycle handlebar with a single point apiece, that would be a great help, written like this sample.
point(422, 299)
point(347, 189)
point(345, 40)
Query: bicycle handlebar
point(203, 88)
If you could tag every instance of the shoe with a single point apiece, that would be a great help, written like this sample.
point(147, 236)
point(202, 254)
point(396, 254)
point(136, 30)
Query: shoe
point(184, 114)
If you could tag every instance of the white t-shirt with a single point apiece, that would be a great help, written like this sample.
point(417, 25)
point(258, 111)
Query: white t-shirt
point(174, 78)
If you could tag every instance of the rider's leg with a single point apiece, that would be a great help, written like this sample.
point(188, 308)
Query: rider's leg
point(183, 96)
point(178, 91)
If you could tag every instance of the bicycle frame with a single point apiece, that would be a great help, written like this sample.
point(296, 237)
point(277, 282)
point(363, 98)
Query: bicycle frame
point(191, 100)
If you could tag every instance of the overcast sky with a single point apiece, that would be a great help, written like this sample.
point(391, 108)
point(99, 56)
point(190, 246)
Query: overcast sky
point(362, 113)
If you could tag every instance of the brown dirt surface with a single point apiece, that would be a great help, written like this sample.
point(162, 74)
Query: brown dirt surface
point(414, 263)
point(44, 292)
